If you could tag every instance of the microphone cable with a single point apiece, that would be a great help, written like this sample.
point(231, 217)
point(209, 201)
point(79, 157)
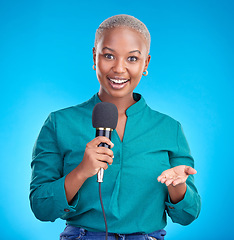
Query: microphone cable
point(103, 211)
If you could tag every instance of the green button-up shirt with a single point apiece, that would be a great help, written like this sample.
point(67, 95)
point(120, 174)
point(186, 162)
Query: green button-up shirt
point(134, 200)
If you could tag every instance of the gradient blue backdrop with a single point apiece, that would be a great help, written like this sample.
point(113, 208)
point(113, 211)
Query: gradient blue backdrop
point(46, 64)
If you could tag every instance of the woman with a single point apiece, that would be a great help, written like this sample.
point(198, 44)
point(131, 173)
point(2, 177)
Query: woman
point(149, 170)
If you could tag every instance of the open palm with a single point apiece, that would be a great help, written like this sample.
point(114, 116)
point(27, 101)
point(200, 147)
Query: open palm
point(176, 175)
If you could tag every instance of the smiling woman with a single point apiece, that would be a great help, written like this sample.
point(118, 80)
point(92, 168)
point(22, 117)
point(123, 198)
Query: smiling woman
point(148, 148)
point(120, 56)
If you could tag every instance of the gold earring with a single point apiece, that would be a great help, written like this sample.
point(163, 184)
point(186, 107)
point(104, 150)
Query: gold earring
point(145, 74)
point(94, 67)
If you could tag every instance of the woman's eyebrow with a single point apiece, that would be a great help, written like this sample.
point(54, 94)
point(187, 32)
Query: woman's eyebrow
point(135, 51)
point(114, 50)
point(108, 49)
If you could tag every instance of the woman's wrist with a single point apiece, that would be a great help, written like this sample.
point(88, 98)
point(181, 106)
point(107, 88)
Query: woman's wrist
point(80, 174)
point(73, 182)
point(177, 192)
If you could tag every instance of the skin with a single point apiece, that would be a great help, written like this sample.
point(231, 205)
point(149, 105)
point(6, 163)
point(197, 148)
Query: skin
point(120, 54)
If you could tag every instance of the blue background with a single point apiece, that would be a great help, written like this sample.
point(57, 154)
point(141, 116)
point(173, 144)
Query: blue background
point(46, 64)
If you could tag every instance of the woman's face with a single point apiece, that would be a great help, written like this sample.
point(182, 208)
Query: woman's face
point(121, 56)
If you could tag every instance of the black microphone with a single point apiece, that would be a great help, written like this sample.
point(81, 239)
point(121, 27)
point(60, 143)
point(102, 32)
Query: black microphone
point(104, 118)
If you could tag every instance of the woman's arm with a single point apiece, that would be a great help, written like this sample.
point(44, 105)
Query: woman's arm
point(177, 192)
point(52, 194)
point(184, 202)
point(94, 158)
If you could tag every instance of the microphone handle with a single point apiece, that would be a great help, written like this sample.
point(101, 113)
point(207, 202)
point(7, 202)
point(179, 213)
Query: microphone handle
point(106, 132)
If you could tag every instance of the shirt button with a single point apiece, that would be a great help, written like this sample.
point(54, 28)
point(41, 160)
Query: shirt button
point(171, 207)
point(66, 210)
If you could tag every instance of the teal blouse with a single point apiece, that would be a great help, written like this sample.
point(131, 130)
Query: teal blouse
point(134, 200)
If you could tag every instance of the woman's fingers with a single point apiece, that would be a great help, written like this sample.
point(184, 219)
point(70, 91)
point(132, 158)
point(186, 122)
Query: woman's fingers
point(105, 158)
point(189, 170)
point(96, 157)
point(168, 182)
point(174, 181)
point(171, 179)
point(106, 151)
point(161, 178)
point(103, 165)
point(176, 175)
point(100, 139)
point(177, 181)
point(101, 154)
point(164, 177)
point(105, 155)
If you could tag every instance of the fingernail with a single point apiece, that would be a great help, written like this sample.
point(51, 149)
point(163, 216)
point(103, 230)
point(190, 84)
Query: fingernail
point(113, 156)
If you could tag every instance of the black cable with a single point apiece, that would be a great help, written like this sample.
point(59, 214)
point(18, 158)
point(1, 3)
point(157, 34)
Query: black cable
point(103, 211)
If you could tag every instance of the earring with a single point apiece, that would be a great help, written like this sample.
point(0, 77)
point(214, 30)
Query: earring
point(145, 73)
point(94, 67)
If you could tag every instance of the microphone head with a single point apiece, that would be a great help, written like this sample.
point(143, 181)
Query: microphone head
point(105, 115)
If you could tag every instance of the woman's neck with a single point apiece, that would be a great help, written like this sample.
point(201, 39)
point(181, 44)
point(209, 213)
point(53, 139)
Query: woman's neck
point(122, 103)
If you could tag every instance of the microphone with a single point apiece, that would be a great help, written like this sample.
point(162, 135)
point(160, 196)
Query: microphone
point(104, 119)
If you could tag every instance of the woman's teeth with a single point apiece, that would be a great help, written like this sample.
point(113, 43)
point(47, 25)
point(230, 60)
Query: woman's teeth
point(118, 81)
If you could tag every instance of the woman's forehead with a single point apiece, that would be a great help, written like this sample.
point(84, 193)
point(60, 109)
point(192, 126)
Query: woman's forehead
point(122, 37)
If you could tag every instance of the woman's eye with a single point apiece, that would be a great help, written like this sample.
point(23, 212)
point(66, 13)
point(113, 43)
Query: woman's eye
point(109, 56)
point(132, 59)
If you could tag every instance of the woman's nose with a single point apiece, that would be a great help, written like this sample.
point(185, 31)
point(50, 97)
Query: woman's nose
point(119, 66)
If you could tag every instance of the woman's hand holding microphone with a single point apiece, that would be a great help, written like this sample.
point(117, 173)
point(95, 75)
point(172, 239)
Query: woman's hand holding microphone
point(94, 159)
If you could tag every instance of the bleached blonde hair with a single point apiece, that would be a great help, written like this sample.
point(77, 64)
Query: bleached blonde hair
point(123, 20)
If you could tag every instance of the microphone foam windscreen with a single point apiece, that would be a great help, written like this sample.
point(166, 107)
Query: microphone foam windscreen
point(105, 115)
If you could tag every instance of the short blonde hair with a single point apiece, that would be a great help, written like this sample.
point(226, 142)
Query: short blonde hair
point(123, 20)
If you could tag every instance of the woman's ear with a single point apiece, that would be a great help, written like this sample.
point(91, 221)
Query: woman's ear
point(94, 55)
point(147, 62)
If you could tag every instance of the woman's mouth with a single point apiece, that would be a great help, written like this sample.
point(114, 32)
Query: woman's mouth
point(118, 83)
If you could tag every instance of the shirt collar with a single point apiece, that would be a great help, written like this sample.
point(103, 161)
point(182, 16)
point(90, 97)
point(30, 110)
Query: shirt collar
point(138, 106)
point(135, 108)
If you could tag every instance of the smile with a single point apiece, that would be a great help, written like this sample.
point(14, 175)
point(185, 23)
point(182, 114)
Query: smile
point(118, 83)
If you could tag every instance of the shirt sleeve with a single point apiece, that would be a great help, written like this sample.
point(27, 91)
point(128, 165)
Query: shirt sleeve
point(47, 193)
point(188, 209)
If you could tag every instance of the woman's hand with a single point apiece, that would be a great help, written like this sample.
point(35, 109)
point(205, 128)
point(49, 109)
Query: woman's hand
point(96, 157)
point(176, 175)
